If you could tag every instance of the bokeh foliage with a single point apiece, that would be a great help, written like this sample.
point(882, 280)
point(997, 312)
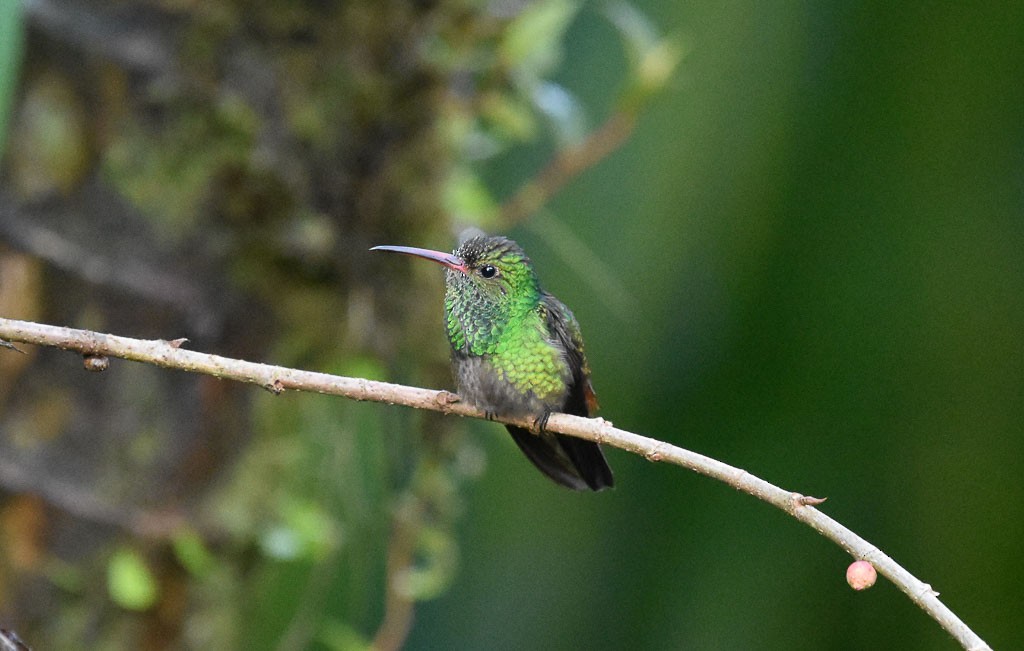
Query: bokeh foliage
point(806, 262)
point(11, 43)
point(821, 231)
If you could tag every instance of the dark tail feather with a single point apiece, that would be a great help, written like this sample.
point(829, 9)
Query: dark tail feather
point(568, 461)
point(589, 461)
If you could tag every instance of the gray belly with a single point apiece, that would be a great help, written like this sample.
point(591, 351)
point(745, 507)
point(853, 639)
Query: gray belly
point(481, 387)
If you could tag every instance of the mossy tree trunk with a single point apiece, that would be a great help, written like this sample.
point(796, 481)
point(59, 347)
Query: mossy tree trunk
point(217, 171)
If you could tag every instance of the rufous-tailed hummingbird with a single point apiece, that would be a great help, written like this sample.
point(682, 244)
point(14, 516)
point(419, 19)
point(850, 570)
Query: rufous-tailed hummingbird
point(517, 351)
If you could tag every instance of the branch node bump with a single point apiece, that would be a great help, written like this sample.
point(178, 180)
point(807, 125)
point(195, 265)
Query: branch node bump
point(176, 343)
point(655, 455)
point(446, 398)
point(365, 391)
point(603, 425)
point(95, 363)
point(807, 500)
point(276, 387)
point(927, 590)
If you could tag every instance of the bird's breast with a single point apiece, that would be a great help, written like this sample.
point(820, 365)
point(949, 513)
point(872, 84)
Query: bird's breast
point(514, 379)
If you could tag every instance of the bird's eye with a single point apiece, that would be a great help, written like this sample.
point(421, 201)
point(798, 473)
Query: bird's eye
point(488, 271)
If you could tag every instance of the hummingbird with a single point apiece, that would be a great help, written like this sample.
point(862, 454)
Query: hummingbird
point(517, 351)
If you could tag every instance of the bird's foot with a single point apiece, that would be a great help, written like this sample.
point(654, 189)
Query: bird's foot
point(7, 344)
point(540, 423)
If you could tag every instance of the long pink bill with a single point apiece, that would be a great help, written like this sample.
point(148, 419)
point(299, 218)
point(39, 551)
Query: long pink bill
point(447, 259)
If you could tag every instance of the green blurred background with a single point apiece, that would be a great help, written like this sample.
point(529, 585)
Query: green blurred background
point(821, 226)
point(809, 264)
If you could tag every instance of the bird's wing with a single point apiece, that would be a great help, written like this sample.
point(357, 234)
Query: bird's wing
point(585, 456)
point(581, 400)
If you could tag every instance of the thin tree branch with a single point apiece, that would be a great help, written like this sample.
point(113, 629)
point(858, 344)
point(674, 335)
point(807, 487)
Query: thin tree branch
point(399, 608)
point(566, 165)
point(278, 379)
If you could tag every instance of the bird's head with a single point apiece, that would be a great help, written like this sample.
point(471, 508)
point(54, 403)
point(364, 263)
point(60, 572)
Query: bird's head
point(490, 275)
point(490, 286)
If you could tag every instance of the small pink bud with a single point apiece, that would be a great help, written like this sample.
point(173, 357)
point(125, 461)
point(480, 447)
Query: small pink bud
point(861, 575)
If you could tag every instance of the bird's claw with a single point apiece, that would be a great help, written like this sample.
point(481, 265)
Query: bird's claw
point(540, 423)
point(7, 344)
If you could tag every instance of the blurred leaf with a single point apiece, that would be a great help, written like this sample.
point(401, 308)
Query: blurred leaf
point(129, 581)
point(191, 552)
point(533, 41)
point(467, 198)
point(339, 636)
point(364, 367)
point(308, 531)
point(67, 576)
point(437, 556)
point(168, 173)
point(562, 110)
point(49, 149)
point(510, 117)
point(317, 530)
point(11, 44)
point(281, 543)
point(473, 141)
point(636, 30)
point(652, 58)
